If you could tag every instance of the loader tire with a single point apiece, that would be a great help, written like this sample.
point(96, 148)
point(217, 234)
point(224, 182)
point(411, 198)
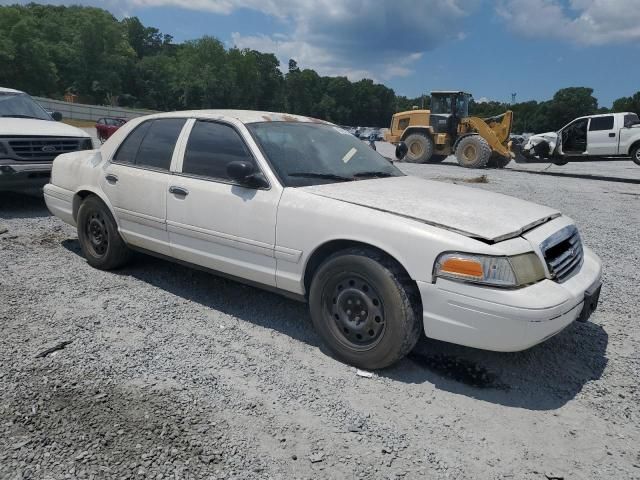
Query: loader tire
point(498, 161)
point(420, 148)
point(473, 152)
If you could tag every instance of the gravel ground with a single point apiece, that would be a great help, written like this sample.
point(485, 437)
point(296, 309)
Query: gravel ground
point(174, 373)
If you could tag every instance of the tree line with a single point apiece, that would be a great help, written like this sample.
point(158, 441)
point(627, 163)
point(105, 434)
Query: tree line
point(85, 51)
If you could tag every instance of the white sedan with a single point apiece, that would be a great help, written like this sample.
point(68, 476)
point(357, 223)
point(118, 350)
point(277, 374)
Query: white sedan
point(300, 206)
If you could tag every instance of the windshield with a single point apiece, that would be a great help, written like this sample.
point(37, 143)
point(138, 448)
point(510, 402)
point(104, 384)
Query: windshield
point(441, 104)
point(304, 154)
point(21, 105)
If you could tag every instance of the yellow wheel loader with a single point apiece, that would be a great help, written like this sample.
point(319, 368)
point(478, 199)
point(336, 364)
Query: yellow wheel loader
point(445, 129)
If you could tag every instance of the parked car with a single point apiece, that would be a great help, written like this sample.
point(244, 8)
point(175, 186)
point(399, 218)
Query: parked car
point(299, 206)
point(588, 138)
point(30, 138)
point(105, 127)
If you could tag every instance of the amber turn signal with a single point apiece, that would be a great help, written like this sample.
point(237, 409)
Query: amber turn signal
point(462, 266)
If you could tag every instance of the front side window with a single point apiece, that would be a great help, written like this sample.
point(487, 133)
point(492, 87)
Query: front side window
point(304, 154)
point(159, 142)
point(211, 148)
point(601, 123)
point(630, 120)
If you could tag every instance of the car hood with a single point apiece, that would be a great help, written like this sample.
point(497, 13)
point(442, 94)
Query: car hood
point(550, 137)
point(469, 211)
point(32, 127)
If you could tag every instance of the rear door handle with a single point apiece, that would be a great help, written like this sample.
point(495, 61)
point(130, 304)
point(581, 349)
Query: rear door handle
point(612, 135)
point(111, 178)
point(183, 192)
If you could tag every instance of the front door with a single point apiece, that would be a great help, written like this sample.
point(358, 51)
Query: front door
point(573, 137)
point(215, 222)
point(136, 181)
point(602, 139)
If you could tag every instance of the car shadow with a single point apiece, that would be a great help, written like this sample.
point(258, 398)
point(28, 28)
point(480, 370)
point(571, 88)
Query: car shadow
point(22, 205)
point(544, 377)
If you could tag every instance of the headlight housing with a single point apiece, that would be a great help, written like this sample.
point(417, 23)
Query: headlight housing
point(507, 272)
point(86, 144)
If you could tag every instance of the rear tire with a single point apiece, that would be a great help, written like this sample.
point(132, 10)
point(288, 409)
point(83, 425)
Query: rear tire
point(635, 155)
point(420, 148)
point(473, 152)
point(365, 308)
point(100, 241)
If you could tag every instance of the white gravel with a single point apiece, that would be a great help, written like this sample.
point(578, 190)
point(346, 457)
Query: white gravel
point(174, 373)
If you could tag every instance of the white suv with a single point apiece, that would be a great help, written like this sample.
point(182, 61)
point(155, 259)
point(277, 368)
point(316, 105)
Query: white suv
point(30, 139)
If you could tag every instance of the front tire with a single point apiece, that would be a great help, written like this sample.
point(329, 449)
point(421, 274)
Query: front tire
point(420, 148)
point(473, 152)
point(365, 308)
point(101, 244)
point(635, 155)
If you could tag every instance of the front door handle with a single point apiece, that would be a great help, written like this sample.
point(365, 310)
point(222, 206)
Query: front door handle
point(111, 178)
point(612, 135)
point(183, 192)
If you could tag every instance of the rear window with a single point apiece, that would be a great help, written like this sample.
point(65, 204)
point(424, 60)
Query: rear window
point(129, 148)
point(151, 144)
point(601, 123)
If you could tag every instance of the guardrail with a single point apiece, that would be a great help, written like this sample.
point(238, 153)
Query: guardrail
point(80, 111)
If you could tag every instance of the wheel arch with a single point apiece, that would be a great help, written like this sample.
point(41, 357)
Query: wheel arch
point(328, 248)
point(634, 145)
point(417, 129)
point(83, 193)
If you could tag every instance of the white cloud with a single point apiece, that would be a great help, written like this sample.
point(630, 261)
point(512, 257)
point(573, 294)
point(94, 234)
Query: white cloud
point(355, 38)
point(584, 22)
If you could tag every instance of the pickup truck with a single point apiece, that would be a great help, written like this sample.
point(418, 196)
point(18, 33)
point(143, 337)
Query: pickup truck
point(588, 138)
point(30, 138)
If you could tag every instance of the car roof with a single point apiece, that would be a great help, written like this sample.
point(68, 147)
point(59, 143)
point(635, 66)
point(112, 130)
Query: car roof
point(244, 116)
point(9, 90)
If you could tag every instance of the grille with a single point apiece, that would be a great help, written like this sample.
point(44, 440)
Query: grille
point(563, 253)
point(43, 149)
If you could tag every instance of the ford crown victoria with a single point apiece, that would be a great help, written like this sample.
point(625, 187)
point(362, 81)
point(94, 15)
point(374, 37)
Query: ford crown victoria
point(300, 206)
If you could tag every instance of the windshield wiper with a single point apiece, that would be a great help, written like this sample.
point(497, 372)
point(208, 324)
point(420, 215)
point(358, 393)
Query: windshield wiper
point(327, 176)
point(373, 174)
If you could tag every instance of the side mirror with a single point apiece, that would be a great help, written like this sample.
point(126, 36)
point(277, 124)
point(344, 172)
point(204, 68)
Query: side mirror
point(401, 150)
point(57, 116)
point(245, 174)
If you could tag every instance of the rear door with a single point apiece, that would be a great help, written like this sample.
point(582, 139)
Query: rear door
point(629, 133)
point(136, 181)
point(602, 137)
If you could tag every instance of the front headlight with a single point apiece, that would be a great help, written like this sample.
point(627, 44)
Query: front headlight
point(86, 144)
point(509, 272)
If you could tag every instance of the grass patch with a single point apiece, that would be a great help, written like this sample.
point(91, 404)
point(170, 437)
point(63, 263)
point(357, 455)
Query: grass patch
point(79, 123)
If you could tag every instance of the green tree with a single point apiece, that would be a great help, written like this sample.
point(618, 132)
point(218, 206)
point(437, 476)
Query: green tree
point(627, 104)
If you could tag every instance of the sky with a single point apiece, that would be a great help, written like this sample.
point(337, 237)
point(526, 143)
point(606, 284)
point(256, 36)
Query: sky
point(491, 48)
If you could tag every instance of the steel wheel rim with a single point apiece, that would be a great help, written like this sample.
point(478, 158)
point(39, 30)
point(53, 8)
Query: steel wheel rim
point(97, 234)
point(354, 311)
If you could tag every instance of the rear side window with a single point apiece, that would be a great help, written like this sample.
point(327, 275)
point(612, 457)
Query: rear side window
point(630, 119)
point(129, 148)
point(211, 147)
point(601, 123)
point(159, 142)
